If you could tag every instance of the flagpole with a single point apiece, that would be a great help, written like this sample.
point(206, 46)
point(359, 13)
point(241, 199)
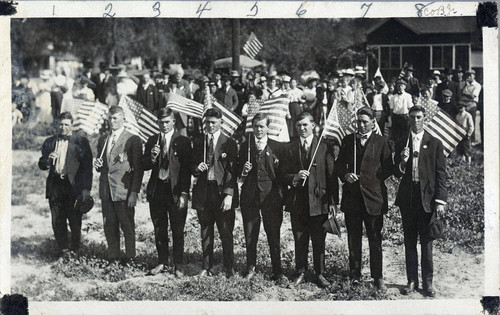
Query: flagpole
point(54, 161)
point(354, 141)
point(103, 148)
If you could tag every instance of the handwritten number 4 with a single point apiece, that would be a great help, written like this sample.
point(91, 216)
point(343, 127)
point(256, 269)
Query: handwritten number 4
point(368, 6)
point(200, 10)
point(108, 9)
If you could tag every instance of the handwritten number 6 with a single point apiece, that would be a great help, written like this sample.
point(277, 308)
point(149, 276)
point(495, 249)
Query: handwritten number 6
point(368, 6)
point(108, 8)
point(300, 12)
point(156, 7)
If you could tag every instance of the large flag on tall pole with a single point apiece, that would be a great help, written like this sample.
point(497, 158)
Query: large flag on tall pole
point(88, 116)
point(442, 126)
point(138, 119)
point(253, 46)
point(184, 105)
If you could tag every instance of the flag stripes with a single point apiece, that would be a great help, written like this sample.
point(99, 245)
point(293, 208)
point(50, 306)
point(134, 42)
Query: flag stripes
point(276, 110)
point(138, 120)
point(253, 108)
point(88, 116)
point(230, 121)
point(253, 46)
point(184, 105)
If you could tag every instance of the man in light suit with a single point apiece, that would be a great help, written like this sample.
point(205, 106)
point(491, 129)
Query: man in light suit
point(309, 203)
point(422, 195)
point(68, 158)
point(364, 194)
point(119, 184)
point(261, 191)
point(168, 155)
point(215, 193)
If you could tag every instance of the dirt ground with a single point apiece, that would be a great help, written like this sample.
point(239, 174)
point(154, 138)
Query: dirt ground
point(36, 271)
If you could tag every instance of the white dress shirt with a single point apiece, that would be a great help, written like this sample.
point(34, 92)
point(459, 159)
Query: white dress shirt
point(211, 171)
point(400, 103)
point(308, 143)
point(260, 144)
point(61, 150)
point(416, 139)
point(113, 138)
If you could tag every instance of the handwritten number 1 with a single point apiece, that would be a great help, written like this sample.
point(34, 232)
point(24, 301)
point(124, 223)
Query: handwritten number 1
point(200, 10)
point(368, 6)
point(108, 8)
point(53, 10)
point(300, 12)
point(256, 8)
point(156, 8)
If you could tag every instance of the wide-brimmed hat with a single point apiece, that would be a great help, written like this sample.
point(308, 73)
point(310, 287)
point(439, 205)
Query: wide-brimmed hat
point(410, 68)
point(472, 71)
point(349, 72)
point(448, 93)
point(436, 72)
point(122, 74)
point(399, 82)
point(459, 69)
point(234, 73)
point(83, 205)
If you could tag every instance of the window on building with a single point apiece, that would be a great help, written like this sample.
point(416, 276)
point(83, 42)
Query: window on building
point(442, 57)
point(390, 57)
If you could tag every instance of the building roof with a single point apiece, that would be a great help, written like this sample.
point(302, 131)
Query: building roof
point(436, 25)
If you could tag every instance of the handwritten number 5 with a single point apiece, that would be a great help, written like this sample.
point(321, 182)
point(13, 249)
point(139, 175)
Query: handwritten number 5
point(256, 8)
point(300, 12)
point(108, 9)
point(368, 6)
point(156, 8)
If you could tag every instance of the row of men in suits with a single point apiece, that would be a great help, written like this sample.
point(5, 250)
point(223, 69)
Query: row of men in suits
point(307, 184)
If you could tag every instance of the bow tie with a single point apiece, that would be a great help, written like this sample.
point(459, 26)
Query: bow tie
point(63, 138)
point(362, 136)
point(400, 93)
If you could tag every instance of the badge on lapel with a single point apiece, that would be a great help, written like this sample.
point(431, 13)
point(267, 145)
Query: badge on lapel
point(121, 157)
point(424, 146)
point(223, 155)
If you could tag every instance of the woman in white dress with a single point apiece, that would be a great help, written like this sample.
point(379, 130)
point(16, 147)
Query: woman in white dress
point(43, 100)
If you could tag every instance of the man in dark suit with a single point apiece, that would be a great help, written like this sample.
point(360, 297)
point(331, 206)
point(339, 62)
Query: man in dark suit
point(147, 93)
point(422, 195)
point(260, 190)
point(311, 195)
point(215, 193)
point(364, 194)
point(412, 86)
point(168, 154)
point(447, 84)
point(68, 158)
point(119, 163)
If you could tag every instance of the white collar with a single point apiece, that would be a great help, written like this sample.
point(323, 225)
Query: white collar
point(368, 134)
point(169, 134)
point(417, 135)
point(263, 140)
point(309, 139)
point(216, 136)
point(117, 133)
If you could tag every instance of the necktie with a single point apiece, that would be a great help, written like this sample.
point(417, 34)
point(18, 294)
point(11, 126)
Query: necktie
point(305, 146)
point(164, 145)
point(210, 150)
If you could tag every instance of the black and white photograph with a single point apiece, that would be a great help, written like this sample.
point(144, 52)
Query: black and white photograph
point(246, 159)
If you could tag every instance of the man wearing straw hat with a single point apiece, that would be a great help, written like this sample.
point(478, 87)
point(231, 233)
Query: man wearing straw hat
point(68, 158)
point(215, 192)
point(119, 163)
point(364, 163)
point(258, 166)
point(168, 155)
point(420, 162)
point(308, 172)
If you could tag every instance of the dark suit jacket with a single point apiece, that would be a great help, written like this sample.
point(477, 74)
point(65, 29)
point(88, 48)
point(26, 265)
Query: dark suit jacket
point(78, 163)
point(374, 166)
point(251, 185)
point(225, 155)
point(413, 86)
point(179, 165)
point(122, 171)
point(431, 172)
point(229, 99)
point(322, 185)
point(148, 97)
point(450, 85)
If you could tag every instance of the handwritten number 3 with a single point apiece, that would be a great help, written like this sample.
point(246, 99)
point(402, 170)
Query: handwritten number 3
point(108, 8)
point(368, 6)
point(156, 7)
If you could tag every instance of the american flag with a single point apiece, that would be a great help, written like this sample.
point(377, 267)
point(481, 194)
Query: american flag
point(342, 122)
point(230, 121)
point(184, 105)
point(442, 126)
point(253, 108)
point(253, 46)
point(88, 116)
point(138, 120)
point(275, 109)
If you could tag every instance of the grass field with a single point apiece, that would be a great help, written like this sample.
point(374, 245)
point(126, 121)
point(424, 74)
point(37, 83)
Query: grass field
point(38, 274)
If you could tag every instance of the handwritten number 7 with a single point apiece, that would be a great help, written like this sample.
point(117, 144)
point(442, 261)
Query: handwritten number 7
point(108, 8)
point(368, 6)
point(200, 10)
point(156, 7)
point(300, 12)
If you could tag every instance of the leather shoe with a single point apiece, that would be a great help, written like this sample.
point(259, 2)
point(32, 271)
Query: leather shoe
point(205, 273)
point(156, 270)
point(300, 278)
point(322, 282)
point(410, 287)
point(250, 273)
point(380, 285)
point(177, 272)
point(429, 291)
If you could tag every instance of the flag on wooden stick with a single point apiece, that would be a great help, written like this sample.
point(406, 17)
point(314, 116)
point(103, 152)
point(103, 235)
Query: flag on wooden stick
point(138, 119)
point(88, 116)
point(253, 46)
point(184, 105)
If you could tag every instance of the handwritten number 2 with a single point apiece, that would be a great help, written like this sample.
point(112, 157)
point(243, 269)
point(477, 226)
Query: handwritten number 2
point(256, 8)
point(108, 9)
point(156, 8)
point(300, 12)
point(368, 6)
point(200, 10)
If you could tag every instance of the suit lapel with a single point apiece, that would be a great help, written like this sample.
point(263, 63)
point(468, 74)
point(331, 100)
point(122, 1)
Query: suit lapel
point(118, 145)
point(171, 146)
point(218, 146)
